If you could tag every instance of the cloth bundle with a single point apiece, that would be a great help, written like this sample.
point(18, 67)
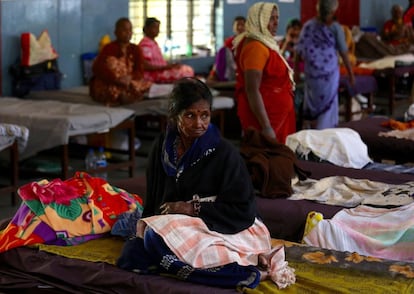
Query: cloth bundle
point(36, 50)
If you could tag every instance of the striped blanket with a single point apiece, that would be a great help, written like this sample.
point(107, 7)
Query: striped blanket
point(379, 232)
point(191, 240)
point(67, 212)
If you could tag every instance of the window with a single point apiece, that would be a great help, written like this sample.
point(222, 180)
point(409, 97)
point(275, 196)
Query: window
point(187, 26)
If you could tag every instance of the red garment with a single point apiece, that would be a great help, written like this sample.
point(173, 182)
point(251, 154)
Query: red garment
point(409, 16)
point(398, 125)
point(109, 67)
point(389, 28)
point(134, 62)
point(229, 42)
point(276, 90)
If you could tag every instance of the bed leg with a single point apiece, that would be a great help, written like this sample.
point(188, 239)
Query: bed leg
point(14, 157)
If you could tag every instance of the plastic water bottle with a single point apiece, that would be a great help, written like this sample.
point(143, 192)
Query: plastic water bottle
point(101, 162)
point(90, 160)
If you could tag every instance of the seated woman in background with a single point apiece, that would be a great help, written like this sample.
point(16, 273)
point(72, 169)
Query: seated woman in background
point(199, 188)
point(395, 31)
point(350, 44)
point(287, 44)
point(156, 68)
point(117, 70)
point(224, 68)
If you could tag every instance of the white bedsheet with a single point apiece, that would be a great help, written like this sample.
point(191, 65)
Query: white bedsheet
point(388, 61)
point(51, 123)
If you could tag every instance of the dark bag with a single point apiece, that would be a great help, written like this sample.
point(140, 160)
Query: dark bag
point(41, 76)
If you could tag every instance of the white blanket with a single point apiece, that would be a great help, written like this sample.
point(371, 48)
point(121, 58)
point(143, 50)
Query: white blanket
point(340, 146)
point(388, 61)
point(348, 192)
point(51, 123)
point(379, 232)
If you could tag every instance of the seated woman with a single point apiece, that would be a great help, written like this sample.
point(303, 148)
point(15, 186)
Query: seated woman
point(287, 44)
point(156, 68)
point(200, 222)
point(350, 44)
point(117, 70)
point(395, 31)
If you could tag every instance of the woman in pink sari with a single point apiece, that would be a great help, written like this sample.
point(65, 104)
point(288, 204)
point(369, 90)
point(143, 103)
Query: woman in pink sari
point(156, 68)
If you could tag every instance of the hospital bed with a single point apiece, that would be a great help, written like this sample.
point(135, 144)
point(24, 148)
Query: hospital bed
point(154, 104)
point(52, 123)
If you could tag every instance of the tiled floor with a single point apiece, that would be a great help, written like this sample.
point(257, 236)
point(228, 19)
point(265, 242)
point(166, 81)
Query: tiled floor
point(7, 210)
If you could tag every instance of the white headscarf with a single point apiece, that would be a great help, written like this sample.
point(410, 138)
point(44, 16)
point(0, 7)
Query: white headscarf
point(257, 21)
point(258, 18)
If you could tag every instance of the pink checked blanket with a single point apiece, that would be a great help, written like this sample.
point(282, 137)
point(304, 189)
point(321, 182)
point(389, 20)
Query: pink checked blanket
point(191, 240)
point(67, 212)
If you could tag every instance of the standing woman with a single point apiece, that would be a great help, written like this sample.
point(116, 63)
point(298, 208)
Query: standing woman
point(320, 40)
point(264, 80)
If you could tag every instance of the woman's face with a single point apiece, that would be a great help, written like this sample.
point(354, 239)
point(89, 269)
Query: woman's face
point(239, 26)
point(123, 32)
point(273, 22)
point(193, 121)
point(153, 30)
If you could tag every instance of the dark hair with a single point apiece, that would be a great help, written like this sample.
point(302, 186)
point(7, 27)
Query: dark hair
point(120, 21)
point(238, 18)
point(294, 23)
point(149, 21)
point(185, 93)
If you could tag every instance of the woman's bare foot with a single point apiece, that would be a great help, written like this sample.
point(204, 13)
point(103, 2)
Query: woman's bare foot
point(263, 263)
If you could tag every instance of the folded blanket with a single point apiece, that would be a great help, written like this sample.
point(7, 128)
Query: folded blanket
point(340, 146)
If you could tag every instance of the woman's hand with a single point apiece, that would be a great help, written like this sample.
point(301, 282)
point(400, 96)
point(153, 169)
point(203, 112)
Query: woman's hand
point(269, 132)
point(125, 80)
point(179, 207)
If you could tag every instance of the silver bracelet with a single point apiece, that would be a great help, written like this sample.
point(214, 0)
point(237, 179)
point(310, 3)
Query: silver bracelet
point(196, 204)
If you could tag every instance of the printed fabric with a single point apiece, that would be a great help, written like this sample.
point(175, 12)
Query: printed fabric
point(67, 212)
point(317, 46)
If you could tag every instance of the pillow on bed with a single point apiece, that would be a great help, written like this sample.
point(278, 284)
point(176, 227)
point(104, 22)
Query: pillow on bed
point(340, 146)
